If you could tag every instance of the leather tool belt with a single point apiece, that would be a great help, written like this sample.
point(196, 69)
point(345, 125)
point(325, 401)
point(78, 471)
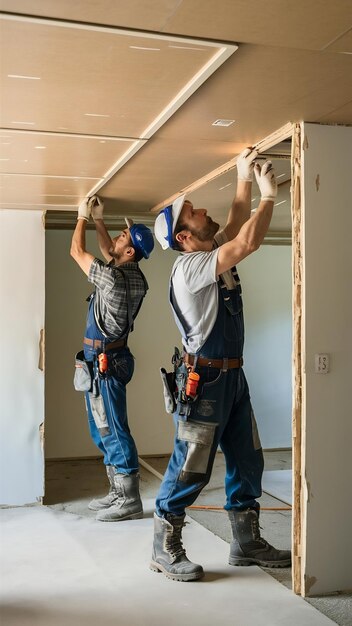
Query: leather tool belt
point(97, 343)
point(221, 364)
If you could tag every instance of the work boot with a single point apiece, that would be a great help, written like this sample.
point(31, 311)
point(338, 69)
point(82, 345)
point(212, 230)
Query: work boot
point(106, 501)
point(169, 555)
point(126, 503)
point(248, 547)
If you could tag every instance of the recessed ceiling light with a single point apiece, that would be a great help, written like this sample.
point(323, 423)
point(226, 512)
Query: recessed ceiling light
point(40, 147)
point(224, 187)
point(221, 122)
point(96, 115)
point(26, 77)
point(142, 48)
point(4, 159)
point(102, 141)
point(282, 202)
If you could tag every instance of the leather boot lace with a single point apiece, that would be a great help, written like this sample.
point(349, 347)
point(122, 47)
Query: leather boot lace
point(173, 542)
point(256, 532)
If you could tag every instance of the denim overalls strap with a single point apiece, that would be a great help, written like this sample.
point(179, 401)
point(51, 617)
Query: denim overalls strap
point(226, 338)
point(227, 335)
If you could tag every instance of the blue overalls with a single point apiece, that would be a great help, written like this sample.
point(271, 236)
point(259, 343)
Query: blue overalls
point(107, 413)
point(222, 416)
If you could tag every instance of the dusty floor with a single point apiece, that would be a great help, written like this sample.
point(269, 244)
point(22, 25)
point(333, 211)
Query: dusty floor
point(71, 484)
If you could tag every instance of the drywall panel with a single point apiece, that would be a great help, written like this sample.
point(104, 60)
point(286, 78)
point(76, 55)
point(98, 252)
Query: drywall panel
point(152, 342)
point(142, 14)
point(293, 24)
point(22, 382)
point(327, 314)
point(267, 288)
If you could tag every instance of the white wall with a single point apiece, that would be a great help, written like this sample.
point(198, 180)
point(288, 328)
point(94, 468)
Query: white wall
point(327, 307)
point(152, 342)
point(22, 382)
point(266, 278)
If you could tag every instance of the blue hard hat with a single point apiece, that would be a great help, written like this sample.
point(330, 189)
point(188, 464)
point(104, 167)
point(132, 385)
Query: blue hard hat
point(142, 239)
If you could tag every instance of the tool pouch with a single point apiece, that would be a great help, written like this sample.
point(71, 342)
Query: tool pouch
point(169, 389)
point(83, 377)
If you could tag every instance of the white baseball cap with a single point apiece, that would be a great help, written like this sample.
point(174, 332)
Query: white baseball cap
point(166, 221)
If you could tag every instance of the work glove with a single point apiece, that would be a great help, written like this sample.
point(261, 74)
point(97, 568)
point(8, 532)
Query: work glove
point(266, 180)
point(97, 208)
point(245, 164)
point(84, 210)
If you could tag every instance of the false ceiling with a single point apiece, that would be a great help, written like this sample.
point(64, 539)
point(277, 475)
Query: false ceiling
point(120, 97)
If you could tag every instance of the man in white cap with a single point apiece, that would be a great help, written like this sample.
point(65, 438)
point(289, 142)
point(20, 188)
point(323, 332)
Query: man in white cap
point(205, 296)
point(105, 365)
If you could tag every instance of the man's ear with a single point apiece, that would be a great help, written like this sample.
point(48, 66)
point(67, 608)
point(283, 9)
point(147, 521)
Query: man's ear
point(182, 237)
point(130, 251)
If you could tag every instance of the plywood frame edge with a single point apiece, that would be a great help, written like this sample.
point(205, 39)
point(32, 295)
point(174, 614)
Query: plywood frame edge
point(263, 145)
point(297, 264)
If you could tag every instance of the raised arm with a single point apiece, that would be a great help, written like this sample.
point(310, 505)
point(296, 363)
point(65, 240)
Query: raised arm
point(253, 231)
point(104, 239)
point(241, 205)
point(78, 244)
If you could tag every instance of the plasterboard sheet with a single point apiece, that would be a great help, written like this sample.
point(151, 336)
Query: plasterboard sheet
point(22, 292)
point(299, 25)
point(58, 154)
point(304, 85)
point(21, 191)
point(99, 573)
point(66, 60)
point(143, 14)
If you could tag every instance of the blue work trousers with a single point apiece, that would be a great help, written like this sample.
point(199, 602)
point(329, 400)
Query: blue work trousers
point(107, 413)
point(222, 415)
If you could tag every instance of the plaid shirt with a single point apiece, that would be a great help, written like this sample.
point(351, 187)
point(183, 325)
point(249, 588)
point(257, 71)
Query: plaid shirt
point(110, 302)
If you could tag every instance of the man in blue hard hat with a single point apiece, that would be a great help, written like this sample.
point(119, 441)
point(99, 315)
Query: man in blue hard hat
point(105, 365)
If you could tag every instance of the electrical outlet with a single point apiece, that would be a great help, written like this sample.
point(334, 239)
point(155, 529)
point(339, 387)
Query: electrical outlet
point(322, 363)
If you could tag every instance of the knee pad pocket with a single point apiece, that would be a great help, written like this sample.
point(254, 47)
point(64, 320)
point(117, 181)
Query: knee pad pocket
point(199, 437)
point(99, 414)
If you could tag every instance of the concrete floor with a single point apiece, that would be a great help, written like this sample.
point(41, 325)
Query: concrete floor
point(69, 487)
point(71, 484)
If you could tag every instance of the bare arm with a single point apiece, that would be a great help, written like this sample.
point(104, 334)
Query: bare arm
point(248, 240)
point(78, 247)
point(240, 209)
point(104, 239)
point(253, 231)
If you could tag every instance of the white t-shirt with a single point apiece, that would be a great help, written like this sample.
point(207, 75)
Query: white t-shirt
point(194, 293)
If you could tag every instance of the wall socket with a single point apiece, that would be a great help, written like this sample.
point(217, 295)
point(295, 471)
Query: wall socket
point(322, 363)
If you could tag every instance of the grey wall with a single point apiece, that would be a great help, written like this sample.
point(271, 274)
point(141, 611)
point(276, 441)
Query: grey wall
point(267, 292)
point(268, 330)
point(22, 270)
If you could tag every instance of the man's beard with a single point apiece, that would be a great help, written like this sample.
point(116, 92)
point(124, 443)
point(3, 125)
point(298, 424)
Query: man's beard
point(115, 255)
point(207, 232)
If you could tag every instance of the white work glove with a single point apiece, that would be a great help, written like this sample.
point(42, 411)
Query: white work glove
point(97, 208)
point(266, 180)
point(245, 164)
point(84, 210)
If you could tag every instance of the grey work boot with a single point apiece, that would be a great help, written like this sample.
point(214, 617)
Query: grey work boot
point(248, 547)
point(103, 503)
point(169, 556)
point(126, 503)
